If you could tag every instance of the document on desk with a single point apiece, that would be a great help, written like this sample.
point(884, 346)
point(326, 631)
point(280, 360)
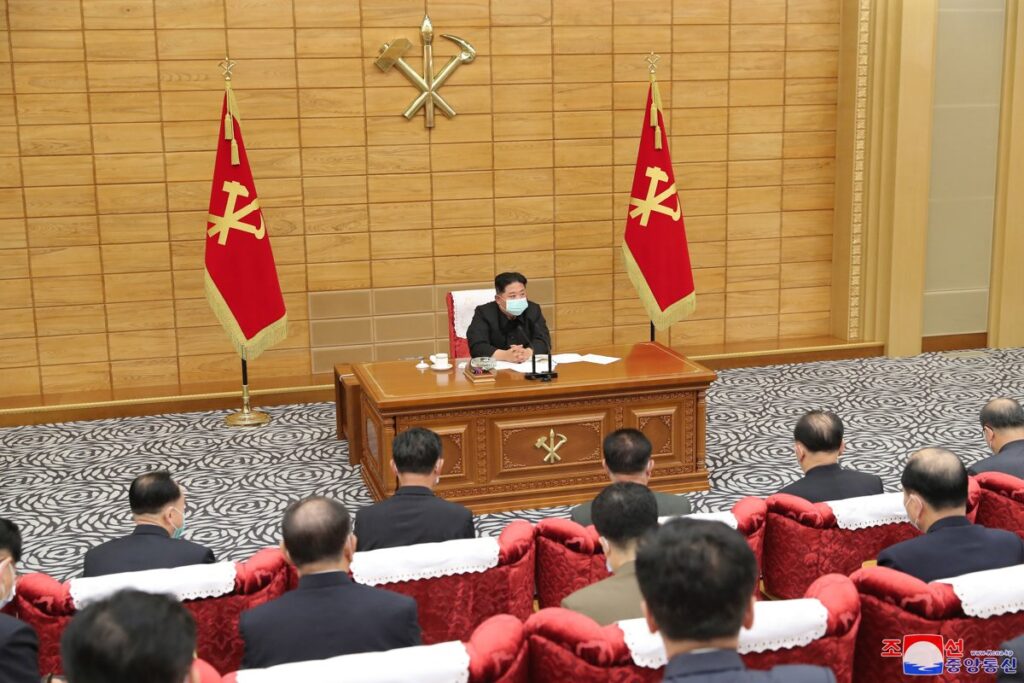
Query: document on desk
point(558, 358)
point(597, 358)
point(526, 366)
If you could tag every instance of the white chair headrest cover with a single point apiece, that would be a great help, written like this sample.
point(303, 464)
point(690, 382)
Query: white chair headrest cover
point(989, 593)
point(425, 561)
point(868, 511)
point(725, 516)
point(464, 303)
point(186, 583)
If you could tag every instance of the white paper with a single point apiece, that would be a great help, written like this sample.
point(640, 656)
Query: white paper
point(567, 358)
point(526, 366)
point(599, 359)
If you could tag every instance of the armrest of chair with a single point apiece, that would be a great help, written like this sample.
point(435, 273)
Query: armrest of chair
point(973, 498)
point(926, 600)
point(574, 536)
point(493, 646)
point(750, 514)
point(259, 570)
point(840, 598)
point(515, 541)
point(1002, 484)
point(817, 515)
point(598, 645)
point(45, 594)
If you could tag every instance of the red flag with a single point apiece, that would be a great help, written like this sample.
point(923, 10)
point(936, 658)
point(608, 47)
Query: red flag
point(241, 280)
point(657, 258)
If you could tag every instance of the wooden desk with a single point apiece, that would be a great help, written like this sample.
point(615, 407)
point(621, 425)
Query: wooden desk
point(497, 437)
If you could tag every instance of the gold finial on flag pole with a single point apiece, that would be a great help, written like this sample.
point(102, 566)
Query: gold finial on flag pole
point(652, 62)
point(226, 66)
point(232, 113)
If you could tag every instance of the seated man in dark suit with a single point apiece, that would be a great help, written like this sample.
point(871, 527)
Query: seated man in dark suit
point(1017, 647)
point(818, 442)
point(935, 496)
point(328, 614)
point(1002, 422)
point(623, 513)
point(627, 457)
point(19, 648)
point(158, 508)
point(414, 514)
point(510, 328)
point(698, 579)
point(130, 637)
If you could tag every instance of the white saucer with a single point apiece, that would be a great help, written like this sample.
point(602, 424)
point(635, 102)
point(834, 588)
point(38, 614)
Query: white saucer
point(441, 368)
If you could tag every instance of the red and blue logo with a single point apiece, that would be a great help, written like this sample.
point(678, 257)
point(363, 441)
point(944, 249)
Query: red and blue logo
point(923, 655)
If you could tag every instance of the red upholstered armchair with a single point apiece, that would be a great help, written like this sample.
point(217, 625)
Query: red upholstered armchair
point(1002, 502)
point(46, 604)
point(450, 607)
point(565, 645)
point(569, 556)
point(803, 541)
point(460, 306)
point(894, 604)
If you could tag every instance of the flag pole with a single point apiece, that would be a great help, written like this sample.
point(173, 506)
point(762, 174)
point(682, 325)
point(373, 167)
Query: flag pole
point(652, 68)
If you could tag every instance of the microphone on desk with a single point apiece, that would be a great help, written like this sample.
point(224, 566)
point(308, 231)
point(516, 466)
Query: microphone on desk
point(543, 376)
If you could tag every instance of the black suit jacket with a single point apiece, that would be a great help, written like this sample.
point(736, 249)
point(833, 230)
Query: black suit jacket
point(953, 546)
point(1009, 460)
point(326, 616)
point(413, 515)
point(19, 652)
point(726, 666)
point(1017, 645)
point(491, 329)
point(148, 547)
point(833, 482)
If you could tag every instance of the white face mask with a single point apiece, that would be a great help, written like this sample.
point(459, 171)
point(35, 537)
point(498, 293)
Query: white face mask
point(14, 584)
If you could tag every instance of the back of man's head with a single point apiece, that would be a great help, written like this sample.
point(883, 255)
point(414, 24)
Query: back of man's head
point(626, 451)
point(10, 540)
point(697, 578)
point(151, 492)
point(1002, 414)
point(820, 431)
point(315, 529)
point(130, 637)
point(416, 451)
point(938, 476)
point(624, 511)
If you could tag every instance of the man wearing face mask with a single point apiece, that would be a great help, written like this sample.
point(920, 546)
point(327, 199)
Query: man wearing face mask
point(935, 496)
point(19, 647)
point(510, 328)
point(158, 508)
point(623, 513)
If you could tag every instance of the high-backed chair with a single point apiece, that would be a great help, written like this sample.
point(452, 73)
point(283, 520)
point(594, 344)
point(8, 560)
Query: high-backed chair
point(495, 652)
point(894, 604)
point(805, 540)
point(569, 556)
point(457, 584)
point(461, 304)
point(565, 645)
point(1002, 501)
point(48, 605)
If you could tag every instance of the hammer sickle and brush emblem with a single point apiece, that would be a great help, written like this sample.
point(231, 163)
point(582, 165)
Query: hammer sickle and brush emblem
point(429, 83)
point(232, 218)
point(551, 446)
point(654, 200)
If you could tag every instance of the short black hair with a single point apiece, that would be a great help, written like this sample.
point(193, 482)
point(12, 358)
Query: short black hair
point(150, 492)
point(626, 451)
point(938, 476)
point(503, 280)
point(820, 431)
point(416, 450)
point(315, 529)
point(624, 512)
point(10, 538)
point(129, 637)
point(697, 578)
point(1002, 413)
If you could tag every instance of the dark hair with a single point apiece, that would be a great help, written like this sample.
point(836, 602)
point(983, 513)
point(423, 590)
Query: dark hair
point(10, 538)
point(820, 431)
point(315, 529)
point(624, 512)
point(150, 492)
point(416, 450)
point(1002, 413)
point(503, 280)
point(938, 476)
point(697, 578)
point(626, 451)
point(129, 637)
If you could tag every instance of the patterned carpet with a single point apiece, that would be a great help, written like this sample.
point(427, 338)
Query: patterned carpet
point(65, 484)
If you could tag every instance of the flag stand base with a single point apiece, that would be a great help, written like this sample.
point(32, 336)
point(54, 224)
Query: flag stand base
point(247, 417)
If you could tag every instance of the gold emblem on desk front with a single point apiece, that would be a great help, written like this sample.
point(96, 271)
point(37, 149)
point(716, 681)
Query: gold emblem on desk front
point(551, 446)
point(391, 55)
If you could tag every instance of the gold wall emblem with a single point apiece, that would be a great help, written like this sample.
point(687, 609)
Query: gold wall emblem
point(549, 444)
point(429, 83)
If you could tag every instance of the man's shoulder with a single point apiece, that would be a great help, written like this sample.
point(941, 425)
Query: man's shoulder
point(581, 513)
point(671, 504)
point(448, 506)
point(10, 627)
point(489, 309)
point(798, 673)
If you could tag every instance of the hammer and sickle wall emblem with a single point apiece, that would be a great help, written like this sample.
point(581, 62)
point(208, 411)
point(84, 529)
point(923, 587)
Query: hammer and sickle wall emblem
point(429, 83)
point(232, 218)
point(654, 200)
point(551, 446)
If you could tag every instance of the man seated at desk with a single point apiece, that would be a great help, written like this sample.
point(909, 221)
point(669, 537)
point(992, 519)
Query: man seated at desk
point(510, 328)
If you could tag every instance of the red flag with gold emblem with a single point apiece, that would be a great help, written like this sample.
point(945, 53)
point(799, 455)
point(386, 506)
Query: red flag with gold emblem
point(655, 250)
point(241, 279)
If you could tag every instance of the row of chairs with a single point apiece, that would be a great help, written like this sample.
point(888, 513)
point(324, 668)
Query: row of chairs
point(795, 542)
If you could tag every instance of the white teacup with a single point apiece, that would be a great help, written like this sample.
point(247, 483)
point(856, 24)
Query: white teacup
point(439, 360)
